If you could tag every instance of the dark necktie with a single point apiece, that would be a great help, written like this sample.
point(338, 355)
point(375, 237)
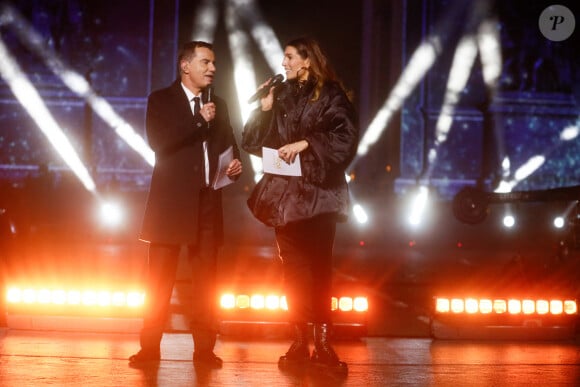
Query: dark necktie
point(196, 109)
point(196, 105)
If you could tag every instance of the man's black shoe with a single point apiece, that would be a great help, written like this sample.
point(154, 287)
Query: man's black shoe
point(208, 359)
point(144, 356)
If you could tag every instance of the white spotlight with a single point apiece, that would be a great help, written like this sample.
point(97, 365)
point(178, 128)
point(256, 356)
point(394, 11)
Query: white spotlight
point(75, 82)
point(559, 222)
point(360, 214)
point(509, 221)
point(489, 43)
point(205, 21)
point(111, 214)
point(421, 61)
point(418, 206)
point(569, 133)
point(28, 96)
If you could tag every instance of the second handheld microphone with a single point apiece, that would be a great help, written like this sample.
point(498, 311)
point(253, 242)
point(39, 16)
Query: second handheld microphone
point(275, 81)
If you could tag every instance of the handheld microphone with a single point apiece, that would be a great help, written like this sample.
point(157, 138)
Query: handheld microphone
point(208, 97)
point(209, 93)
point(275, 81)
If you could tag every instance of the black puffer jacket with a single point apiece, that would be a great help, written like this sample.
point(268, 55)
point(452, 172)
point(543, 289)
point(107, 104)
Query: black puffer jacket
point(330, 126)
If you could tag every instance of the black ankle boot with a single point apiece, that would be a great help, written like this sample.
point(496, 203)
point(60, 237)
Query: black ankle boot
point(323, 355)
point(298, 353)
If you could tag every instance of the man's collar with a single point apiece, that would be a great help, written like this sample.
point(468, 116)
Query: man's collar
point(189, 93)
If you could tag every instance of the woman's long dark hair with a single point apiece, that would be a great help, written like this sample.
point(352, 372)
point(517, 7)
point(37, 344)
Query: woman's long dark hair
point(320, 68)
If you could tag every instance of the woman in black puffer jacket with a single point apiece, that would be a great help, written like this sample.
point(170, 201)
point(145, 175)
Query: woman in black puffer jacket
point(309, 115)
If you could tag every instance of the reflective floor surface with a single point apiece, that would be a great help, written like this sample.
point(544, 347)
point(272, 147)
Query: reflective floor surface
point(35, 358)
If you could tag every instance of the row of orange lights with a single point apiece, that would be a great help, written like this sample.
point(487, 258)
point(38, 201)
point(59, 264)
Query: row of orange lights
point(500, 306)
point(277, 302)
point(104, 298)
point(135, 299)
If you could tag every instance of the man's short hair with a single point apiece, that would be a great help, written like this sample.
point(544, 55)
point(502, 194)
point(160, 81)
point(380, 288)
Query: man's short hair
point(187, 51)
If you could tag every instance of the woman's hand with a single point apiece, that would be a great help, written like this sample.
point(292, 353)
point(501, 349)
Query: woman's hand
point(267, 101)
point(288, 152)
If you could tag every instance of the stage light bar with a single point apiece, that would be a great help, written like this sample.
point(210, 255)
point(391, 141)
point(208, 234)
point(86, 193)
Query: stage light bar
point(255, 301)
point(275, 302)
point(504, 318)
point(29, 298)
point(248, 313)
point(350, 304)
point(511, 306)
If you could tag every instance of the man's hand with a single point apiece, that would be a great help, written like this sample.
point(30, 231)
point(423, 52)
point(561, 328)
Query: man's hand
point(208, 111)
point(235, 168)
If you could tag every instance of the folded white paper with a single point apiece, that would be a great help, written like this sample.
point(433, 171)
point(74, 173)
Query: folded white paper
point(271, 163)
point(221, 179)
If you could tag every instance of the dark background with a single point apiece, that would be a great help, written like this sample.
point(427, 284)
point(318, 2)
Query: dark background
point(128, 48)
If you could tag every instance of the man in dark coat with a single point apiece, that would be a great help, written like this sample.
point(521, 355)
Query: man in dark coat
point(187, 128)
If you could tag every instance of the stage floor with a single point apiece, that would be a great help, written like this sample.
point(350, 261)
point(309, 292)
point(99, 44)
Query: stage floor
point(400, 271)
point(34, 358)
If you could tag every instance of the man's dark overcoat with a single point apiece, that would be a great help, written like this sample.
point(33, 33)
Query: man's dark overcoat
point(176, 137)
